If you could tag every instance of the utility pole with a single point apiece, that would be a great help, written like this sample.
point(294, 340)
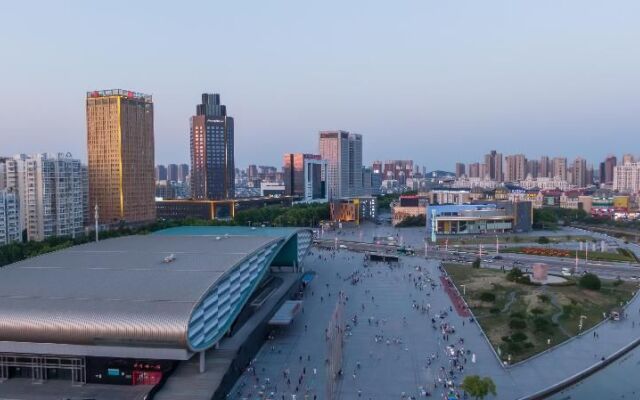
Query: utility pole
point(95, 216)
point(497, 245)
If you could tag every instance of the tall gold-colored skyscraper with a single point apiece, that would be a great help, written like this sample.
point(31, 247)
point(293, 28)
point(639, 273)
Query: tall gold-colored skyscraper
point(121, 156)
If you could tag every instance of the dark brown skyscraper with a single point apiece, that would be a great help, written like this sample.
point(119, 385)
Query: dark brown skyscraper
point(121, 155)
point(212, 161)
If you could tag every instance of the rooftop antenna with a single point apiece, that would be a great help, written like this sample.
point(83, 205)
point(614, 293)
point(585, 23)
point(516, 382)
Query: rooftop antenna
point(95, 216)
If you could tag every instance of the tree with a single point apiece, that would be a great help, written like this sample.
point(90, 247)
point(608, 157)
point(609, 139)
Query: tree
point(476, 263)
point(478, 387)
point(590, 281)
point(543, 240)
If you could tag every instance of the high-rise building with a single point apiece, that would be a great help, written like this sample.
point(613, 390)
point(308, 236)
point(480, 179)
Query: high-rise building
point(183, 172)
point(544, 169)
point(399, 170)
point(50, 191)
point(343, 152)
point(559, 168)
point(355, 165)
point(579, 173)
point(460, 170)
point(121, 156)
point(606, 170)
point(212, 150)
point(161, 173)
point(493, 165)
point(10, 230)
point(516, 168)
point(303, 176)
point(533, 168)
point(172, 172)
point(252, 172)
point(628, 159)
point(626, 178)
point(474, 170)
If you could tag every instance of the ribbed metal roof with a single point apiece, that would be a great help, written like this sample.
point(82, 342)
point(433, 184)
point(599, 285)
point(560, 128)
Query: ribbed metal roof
point(118, 292)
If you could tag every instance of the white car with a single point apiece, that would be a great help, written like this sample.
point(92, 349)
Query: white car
point(566, 272)
point(342, 246)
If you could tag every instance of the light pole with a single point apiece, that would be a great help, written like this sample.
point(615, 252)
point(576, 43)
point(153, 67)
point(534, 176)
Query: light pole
point(497, 245)
point(582, 317)
point(464, 290)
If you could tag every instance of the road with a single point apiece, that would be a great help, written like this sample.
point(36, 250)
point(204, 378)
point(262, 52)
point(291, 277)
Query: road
point(607, 270)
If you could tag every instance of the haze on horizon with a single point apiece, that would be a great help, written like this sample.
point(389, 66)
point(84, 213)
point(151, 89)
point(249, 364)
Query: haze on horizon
point(431, 81)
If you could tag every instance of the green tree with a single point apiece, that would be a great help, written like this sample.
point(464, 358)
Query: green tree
point(476, 263)
point(590, 281)
point(478, 387)
point(543, 240)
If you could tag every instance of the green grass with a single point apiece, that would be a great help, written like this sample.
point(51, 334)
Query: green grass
point(536, 306)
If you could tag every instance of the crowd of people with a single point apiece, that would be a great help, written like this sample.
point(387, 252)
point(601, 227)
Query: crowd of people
point(304, 376)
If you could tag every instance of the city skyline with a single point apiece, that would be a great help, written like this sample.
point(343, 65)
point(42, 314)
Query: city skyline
point(574, 87)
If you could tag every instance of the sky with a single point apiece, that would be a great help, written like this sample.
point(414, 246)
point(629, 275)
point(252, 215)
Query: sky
point(433, 81)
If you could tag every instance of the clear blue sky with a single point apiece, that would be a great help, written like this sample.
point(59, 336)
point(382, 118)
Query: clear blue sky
point(435, 81)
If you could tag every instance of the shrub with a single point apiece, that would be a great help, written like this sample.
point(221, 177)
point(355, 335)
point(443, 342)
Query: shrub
point(518, 337)
point(517, 324)
point(537, 311)
point(541, 324)
point(517, 314)
point(543, 240)
point(544, 298)
point(514, 274)
point(590, 281)
point(494, 310)
point(476, 263)
point(488, 297)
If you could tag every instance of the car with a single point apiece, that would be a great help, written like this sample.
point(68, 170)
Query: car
point(342, 246)
point(498, 257)
point(565, 272)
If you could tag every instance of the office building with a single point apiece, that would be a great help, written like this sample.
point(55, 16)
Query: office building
point(172, 172)
point(50, 193)
point(626, 178)
point(10, 228)
point(212, 150)
point(161, 173)
point(121, 156)
point(183, 172)
point(303, 177)
point(343, 152)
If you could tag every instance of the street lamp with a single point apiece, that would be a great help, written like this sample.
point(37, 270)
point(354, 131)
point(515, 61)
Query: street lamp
point(464, 290)
point(582, 317)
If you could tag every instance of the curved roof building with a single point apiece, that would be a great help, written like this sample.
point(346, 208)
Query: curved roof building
point(162, 296)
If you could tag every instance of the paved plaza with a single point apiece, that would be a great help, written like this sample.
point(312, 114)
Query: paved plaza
point(396, 350)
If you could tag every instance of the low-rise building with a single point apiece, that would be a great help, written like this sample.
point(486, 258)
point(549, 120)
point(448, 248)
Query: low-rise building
point(407, 206)
point(496, 217)
point(354, 209)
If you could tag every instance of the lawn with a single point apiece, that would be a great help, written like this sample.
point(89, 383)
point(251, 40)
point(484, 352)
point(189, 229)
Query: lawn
point(621, 255)
point(522, 320)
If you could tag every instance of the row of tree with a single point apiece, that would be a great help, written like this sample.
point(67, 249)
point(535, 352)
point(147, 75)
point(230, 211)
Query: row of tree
point(297, 215)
